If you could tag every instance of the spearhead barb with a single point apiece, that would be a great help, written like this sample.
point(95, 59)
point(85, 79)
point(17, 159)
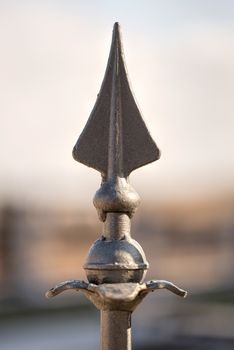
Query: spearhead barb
point(115, 140)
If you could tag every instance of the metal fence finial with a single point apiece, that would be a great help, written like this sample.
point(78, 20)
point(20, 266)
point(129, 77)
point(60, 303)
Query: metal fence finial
point(115, 141)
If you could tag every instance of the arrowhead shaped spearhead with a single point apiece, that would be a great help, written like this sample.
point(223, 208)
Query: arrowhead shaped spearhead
point(115, 140)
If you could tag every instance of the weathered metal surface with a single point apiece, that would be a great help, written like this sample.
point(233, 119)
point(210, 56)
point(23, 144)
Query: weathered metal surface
point(112, 335)
point(115, 296)
point(115, 141)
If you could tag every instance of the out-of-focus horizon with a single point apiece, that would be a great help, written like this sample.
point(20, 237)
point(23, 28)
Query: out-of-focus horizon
point(180, 58)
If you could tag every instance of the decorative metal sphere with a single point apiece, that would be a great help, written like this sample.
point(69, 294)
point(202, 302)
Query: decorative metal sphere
point(116, 195)
point(115, 261)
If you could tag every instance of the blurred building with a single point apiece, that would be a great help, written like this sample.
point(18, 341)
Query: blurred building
point(192, 245)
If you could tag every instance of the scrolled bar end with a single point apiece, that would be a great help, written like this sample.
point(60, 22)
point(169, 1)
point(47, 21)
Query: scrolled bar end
point(63, 286)
point(162, 284)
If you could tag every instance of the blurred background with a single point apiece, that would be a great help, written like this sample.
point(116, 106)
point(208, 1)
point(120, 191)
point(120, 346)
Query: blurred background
point(180, 59)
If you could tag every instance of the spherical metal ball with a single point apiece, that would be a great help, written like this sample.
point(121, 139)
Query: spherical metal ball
point(115, 261)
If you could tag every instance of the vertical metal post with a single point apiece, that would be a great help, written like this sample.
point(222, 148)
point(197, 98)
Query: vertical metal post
point(115, 330)
point(115, 141)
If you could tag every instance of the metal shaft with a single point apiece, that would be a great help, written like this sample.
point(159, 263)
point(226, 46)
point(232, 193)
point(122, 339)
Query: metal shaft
point(115, 330)
point(117, 226)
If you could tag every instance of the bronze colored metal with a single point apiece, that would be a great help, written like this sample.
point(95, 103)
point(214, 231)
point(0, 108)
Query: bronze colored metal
point(115, 296)
point(115, 141)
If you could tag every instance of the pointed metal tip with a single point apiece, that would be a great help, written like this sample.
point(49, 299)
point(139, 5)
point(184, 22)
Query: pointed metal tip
point(116, 36)
point(116, 25)
point(132, 145)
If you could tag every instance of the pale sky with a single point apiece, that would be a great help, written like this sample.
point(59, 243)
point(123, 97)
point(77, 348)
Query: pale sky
point(180, 59)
